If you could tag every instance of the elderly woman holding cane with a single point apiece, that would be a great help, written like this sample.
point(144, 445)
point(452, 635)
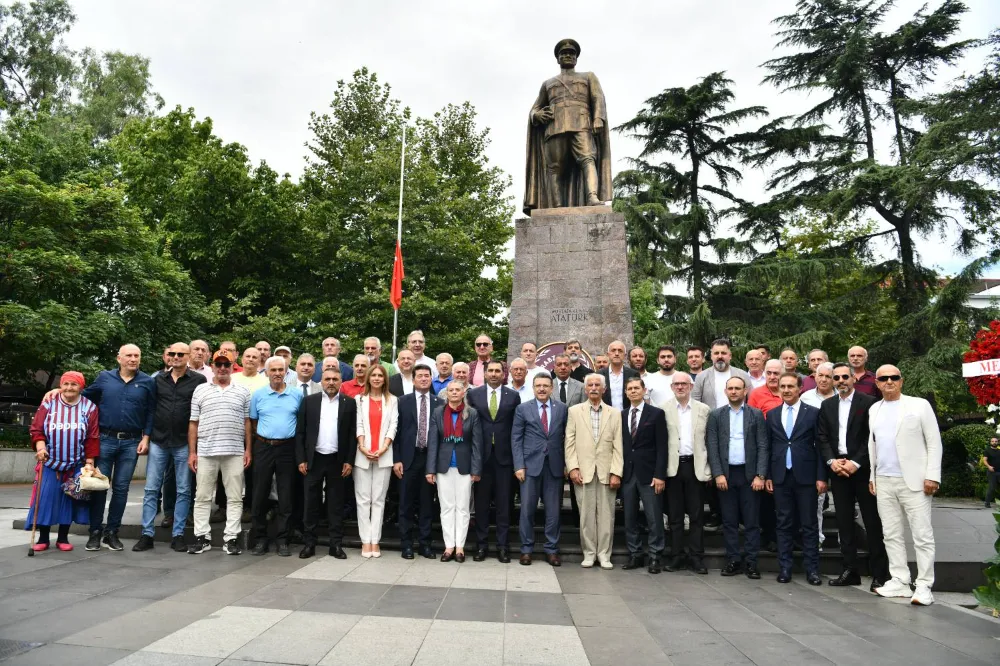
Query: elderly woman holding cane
point(454, 463)
point(65, 436)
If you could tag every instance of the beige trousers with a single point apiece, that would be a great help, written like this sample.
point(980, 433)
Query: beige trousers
point(232, 480)
point(597, 519)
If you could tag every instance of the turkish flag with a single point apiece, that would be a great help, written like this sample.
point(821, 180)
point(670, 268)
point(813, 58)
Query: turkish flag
point(396, 291)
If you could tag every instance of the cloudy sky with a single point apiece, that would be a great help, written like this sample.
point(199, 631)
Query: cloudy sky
point(259, 68)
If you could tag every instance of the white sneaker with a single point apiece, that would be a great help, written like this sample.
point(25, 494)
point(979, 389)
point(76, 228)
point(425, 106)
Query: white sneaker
point(586, 564)
point(894, 588)
point(607, 565)
point(922, 597)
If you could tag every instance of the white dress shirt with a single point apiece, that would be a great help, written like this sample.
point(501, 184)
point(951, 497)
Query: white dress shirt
point(638, 415)
point(884, 418)
point(684, 415)
point(843, 414)
point(407, 384)
point(326, 440)
point(756, 382)
point(615, 384)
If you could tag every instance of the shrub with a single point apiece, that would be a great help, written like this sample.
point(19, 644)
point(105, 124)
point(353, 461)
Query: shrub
point(963, 447)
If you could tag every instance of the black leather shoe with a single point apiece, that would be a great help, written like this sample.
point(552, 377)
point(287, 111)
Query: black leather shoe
point(460, 557)
point(525, 559)
point(260, 548)
point(654, 565)
point(698, 567)
point(447, 557)
point(144, 543)
point(503, 555)
point(480, 555)
point(753, 573)
point(553, 559)
point(283, 550)
point(785, 576)
point(634, 562)
point(337, 551)
point(876, 583)
point(732, 568)
point(771, 546)
point(407, 554)
point(177, 545)
point(168, 522)
point(847, 577)
point(813, 578)
point(675, 563)
point(308, 551)
point(427, 551)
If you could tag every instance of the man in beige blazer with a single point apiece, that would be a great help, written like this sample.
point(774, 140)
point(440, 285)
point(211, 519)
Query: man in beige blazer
point(904, 447)
point(594, 459)
point(687, 472)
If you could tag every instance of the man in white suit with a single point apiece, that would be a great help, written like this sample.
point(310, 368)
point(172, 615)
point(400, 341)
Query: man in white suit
point(710, 385)
point(687, 472)
point(594, 460)
point(905, 452)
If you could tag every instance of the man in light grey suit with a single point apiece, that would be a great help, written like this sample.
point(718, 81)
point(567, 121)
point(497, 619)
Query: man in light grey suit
point(537, 442)
point(304, 369)
point(738, 452)
point(710, 386)
point(565, 389)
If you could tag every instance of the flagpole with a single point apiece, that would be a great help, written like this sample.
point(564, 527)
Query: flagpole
point(399, 234)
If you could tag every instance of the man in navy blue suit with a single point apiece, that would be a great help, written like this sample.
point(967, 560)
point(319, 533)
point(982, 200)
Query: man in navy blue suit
point(536, 445)
point(798, 474)
point(496, 405)
point(409, 458)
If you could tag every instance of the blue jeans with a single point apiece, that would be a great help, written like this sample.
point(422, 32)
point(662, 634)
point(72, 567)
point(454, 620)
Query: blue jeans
point(162, 458)
point(117, 462)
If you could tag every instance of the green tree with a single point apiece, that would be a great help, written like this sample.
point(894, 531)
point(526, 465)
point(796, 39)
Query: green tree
point(36, 66)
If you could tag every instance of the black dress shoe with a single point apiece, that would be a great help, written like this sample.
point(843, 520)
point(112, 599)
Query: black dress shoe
point(813, 578)
point(447, 557)
point(427, 551)
point(771, 546)
point(525, 559)
point(876, 583)
point(753, 573)
point(283, 550)
point(480, 555)
point(338, 552)
point(654, 565)
point(260, 548)
point(732, 568)
point(847, 577)
point(168, 521)
point(675, 563)
point(460, 557)
point(308, 551)
point(634, 562)
point(785, 576)
point(407, 554)
point(503, 555)
point(698, 567)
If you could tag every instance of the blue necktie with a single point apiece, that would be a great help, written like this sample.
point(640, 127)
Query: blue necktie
point(789, 426)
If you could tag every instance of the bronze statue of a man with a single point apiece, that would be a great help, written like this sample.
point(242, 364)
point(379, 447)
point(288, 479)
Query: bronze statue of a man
point(569, 155)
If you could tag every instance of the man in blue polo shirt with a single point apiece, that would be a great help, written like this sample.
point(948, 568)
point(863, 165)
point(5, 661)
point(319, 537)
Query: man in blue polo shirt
point(126, 400)
point(273, 416)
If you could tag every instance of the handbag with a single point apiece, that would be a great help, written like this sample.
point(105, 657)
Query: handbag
point(95, 483)
point(71, 486)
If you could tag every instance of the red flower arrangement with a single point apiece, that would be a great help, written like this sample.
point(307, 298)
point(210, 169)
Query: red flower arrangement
point(985, 346)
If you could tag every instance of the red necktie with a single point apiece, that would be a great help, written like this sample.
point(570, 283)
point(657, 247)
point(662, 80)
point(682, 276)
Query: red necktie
point(545, 419)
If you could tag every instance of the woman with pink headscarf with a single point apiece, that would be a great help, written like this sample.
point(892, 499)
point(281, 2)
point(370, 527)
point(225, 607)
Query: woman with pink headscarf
point(65, 437)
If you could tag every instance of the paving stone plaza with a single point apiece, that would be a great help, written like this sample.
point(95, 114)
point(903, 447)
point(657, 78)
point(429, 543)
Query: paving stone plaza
point(161, 607)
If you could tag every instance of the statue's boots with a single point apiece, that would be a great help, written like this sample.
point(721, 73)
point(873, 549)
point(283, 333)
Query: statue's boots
point(590, 183)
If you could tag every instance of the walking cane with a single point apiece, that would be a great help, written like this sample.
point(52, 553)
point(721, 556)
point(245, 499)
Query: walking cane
point(37, 495)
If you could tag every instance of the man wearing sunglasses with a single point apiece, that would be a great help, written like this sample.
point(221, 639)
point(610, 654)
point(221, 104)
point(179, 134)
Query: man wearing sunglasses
point(484, 354)
point(842, 436)
point(905, 452)
point(168, 446)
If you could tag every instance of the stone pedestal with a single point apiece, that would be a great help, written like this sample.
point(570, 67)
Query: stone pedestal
point(570, 279)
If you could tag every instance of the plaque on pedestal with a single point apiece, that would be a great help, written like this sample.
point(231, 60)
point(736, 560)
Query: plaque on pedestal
point(570, 279)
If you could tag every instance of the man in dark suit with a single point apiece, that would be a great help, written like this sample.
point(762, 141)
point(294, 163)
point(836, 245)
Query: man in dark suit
point(644, 445)
point(797, 476)
point(409, 460)
point(495, 404)
point(615, 376)
point(738, 448)
point(401, 383)
point(842, 436)
point(325, 440)
point(537, 446)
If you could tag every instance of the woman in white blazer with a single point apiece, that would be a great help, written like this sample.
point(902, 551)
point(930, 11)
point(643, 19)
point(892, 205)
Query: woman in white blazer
point(377, 416)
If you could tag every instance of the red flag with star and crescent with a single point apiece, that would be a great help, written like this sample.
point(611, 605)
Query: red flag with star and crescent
point(396, 291)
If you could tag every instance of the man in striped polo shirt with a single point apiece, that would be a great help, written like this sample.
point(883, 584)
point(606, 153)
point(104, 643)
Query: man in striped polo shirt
point(219, 441)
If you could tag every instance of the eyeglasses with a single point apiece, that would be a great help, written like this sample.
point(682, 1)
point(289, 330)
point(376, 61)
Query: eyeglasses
point(222, 364)
point(836, 377)
point(681, 384)
point(483, 344)
point(176, 354)
point(889, 378)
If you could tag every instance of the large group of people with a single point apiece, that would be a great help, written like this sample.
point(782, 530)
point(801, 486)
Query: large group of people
point(761, 446)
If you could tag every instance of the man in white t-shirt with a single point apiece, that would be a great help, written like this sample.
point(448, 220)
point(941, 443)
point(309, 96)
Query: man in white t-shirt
point(905, 452)
point(710, 385)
